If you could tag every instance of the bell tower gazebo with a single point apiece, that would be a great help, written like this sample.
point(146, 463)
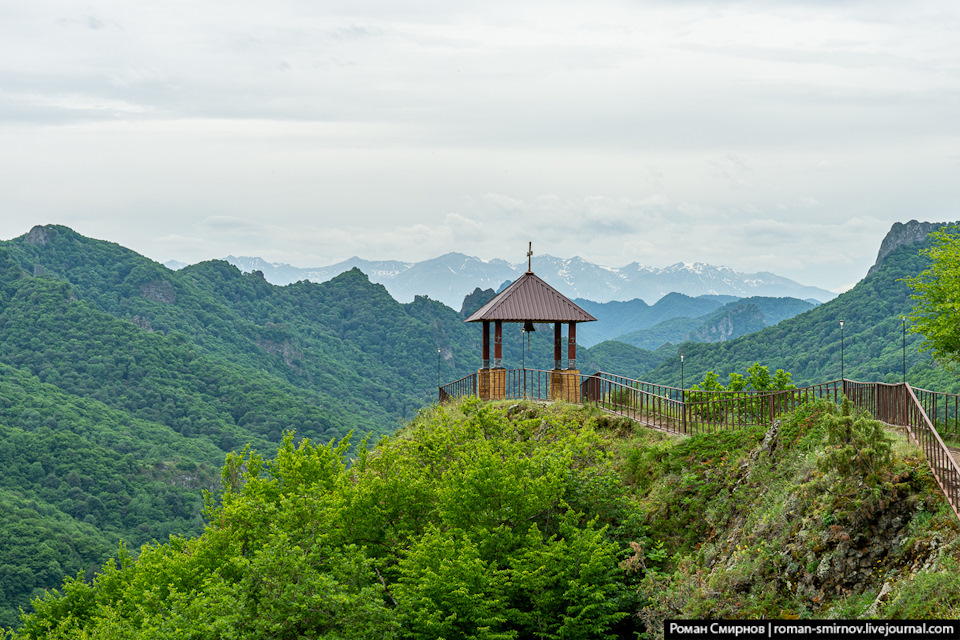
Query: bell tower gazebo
point(528, 300)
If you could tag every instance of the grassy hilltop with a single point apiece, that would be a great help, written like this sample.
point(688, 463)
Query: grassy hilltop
point(523, 520)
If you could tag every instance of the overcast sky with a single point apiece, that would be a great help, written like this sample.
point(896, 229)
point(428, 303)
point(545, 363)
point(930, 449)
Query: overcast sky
point(763, 135)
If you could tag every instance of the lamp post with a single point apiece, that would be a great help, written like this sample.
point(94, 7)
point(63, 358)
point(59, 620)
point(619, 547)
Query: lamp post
point(438, 374)
point(682, 385)
point(841, 352)
point(903, 325)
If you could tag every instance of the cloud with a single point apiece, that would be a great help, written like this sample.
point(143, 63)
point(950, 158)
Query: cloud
point(758, 134)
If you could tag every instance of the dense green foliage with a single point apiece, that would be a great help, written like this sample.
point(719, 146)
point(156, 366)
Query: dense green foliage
point(122, 355)
point(480, 524)
point(936, 312)
point(526, 521)
point(79, 476)
point(622, 359)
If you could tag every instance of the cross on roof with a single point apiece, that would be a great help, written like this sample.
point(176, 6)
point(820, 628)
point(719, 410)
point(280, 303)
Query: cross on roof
point(529, 257)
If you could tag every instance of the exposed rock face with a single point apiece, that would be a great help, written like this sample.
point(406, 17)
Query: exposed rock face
point(902, 233)
point(39, 236)
point(739, 321)
point(292, 356)
point(159, 291)
point(475, 300)
point(143, 323)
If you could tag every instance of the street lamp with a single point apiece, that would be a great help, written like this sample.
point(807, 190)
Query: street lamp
point(682, 386)
point(841, 352)
point(903, 325)
point(438, 374)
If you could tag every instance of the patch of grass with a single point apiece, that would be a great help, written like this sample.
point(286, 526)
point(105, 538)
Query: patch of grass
point(930, 594)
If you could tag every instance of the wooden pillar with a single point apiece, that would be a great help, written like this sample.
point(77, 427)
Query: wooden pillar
point(498, 344)
point(486, 345)
point(572, 346)
point(557, 345)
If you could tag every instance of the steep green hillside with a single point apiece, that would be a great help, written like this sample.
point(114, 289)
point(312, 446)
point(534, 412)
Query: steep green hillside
point(78, 477)
point(809, 345)
point(345, 339)
point(519, 520)
point(622, 359)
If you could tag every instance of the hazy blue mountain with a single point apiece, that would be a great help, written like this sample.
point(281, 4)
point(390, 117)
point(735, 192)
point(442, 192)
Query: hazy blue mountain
point(617, 318)
point(450, 277)
point(672, 331)
point(724, 322)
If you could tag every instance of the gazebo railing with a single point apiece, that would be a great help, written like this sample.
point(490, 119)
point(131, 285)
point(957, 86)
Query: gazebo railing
point(654, 405)
point(535, 384)
point(462, 388)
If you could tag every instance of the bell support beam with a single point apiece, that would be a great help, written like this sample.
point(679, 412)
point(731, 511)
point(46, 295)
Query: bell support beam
point(557, 345)
point(486, 345)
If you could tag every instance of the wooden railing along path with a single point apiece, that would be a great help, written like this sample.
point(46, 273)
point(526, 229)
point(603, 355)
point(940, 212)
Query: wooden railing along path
point(923, 414)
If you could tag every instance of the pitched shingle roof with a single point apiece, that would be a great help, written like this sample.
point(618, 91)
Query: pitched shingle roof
point(530, 298)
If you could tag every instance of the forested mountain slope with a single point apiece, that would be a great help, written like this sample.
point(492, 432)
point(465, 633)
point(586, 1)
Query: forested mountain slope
point(125, 385)
point(809, 345)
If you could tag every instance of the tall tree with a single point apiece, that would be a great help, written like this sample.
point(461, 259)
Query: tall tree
point(936, 311)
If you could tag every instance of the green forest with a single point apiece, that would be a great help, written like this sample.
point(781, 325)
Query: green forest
point(481, 520)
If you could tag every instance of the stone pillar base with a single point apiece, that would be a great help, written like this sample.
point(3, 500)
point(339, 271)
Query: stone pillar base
point(565, 385)
point(492, 384)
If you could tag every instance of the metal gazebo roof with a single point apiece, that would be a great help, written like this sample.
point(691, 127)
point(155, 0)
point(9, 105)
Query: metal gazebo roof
point(530, 298)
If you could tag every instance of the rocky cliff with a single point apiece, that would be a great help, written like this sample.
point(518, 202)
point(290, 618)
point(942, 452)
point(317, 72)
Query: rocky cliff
point(902, 233)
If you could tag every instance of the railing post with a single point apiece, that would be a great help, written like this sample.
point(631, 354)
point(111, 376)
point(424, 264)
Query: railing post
point(683, 410)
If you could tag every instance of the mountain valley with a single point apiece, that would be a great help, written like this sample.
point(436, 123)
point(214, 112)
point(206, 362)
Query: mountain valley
point(127, 383)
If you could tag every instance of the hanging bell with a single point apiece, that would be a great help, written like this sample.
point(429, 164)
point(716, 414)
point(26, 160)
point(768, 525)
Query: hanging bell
point(528, 326)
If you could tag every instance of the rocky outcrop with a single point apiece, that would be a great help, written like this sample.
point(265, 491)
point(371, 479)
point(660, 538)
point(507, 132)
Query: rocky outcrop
point(159, 291)
point(475, 300)
point(292, 356)
point(39, 236)
point(902, 233)
point(738, 321)
point(143, 323)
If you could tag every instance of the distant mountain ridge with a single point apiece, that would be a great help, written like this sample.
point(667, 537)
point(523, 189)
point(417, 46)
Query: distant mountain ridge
point(452, 276)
